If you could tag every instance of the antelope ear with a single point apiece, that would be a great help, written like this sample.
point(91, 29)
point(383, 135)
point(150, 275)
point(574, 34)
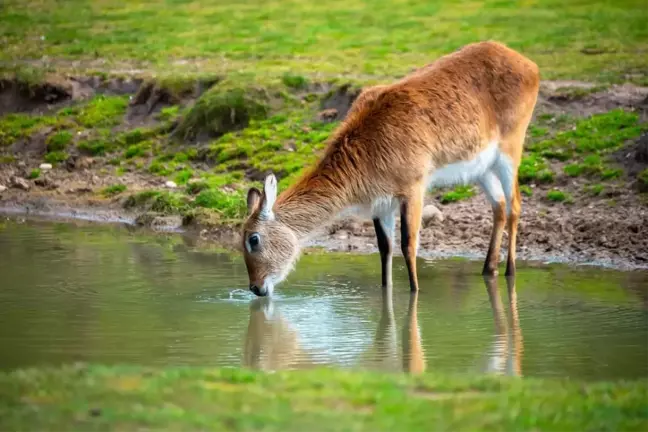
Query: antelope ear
point(269, 197)
point(253, 199)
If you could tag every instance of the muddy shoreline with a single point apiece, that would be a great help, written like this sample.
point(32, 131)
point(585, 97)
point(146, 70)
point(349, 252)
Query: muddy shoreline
point(546, 235)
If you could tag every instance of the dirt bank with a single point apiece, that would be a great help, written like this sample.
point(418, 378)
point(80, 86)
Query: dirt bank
point(596, 214)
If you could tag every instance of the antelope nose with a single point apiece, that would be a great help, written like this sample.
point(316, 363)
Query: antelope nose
point(260, 292)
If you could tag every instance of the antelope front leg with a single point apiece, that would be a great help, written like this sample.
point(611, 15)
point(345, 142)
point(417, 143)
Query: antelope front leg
point(384, 228)
point(411, 213)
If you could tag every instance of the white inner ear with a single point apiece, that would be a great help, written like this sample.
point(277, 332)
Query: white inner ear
point(270, 195)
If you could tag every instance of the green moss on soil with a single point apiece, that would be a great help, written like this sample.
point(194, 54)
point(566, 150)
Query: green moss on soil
point(113, 190)
point(459, 193)
point(558, 196)
point(34, 174)
point(222, 109)
point(59, 140)
point(643, 180)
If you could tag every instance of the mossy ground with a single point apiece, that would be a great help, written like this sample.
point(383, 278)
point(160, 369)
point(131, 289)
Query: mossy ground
point(125, 398)
point(259, 113)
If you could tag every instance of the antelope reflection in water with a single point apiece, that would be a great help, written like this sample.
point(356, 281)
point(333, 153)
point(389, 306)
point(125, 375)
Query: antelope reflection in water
point(505, 355)
point(272, 344)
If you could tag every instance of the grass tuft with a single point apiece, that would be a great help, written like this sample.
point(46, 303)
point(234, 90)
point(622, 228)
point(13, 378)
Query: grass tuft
point(458, 194)
point(59, 141)
point(113, 190)
point(558, 196)
point(56, 157)
point(222, 110)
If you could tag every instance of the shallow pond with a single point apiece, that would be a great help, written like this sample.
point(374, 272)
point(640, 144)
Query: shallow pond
point(110, 294)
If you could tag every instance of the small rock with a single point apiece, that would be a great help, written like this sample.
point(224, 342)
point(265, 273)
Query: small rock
point(45, 167)
point(3, 188)
point(431, 214)
point(19, 183)
point(170, 184)
point(21, 164)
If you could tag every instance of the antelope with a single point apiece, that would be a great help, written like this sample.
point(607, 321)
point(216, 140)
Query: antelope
point(459, 120)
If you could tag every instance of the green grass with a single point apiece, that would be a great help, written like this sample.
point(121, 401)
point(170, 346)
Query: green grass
point(35, 173)
point(222, 109)
point(103, 111)
point(182, 177)
point(159, 201)
point(59, 140)
point(596, 40)
point(94, 147)
point(7, 159)
point(56, 157)
point(526, 190)
point(558, 196)
point(457, 194)
point(113, 190)
point(595, 190)
point(642, 178)
point(135, 150)
point(129, 398)
point(533, 168)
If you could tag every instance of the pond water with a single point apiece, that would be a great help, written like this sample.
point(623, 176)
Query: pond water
point(113, 295)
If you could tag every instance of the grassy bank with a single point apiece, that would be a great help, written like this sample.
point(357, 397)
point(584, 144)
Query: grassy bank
point(217, 95)
point(598, 41)
point(127, 398)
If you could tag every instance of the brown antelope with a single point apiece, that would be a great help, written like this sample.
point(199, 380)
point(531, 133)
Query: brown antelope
point(460, 120)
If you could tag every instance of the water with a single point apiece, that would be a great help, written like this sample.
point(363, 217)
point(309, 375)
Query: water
point(112, 295)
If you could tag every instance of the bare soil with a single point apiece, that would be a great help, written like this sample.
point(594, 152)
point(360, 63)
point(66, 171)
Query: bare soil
point(610, 229)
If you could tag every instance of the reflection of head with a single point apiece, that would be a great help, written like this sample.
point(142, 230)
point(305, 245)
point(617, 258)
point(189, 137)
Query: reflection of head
point(270, 342)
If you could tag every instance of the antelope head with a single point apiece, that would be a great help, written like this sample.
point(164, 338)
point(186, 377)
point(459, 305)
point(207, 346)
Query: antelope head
point(270, 248)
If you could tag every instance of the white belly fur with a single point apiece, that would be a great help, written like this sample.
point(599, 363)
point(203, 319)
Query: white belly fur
point(486, 168)
point(465, 172)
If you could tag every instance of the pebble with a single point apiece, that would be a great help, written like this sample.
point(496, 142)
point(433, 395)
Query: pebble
point(45, 166)
point(170, 184)
point(431, 213)
point(3, 188)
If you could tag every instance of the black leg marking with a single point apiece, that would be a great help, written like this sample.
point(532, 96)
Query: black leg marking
point(385, 248)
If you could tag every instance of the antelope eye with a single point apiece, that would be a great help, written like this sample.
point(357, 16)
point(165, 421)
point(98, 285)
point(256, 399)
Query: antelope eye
point(254, 240)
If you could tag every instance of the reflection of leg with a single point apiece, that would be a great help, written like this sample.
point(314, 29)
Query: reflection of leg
point(386, 340)
point(413, 355)
point(384, 228)
point(517, 342)
point(499, 349)
point(255, 333)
